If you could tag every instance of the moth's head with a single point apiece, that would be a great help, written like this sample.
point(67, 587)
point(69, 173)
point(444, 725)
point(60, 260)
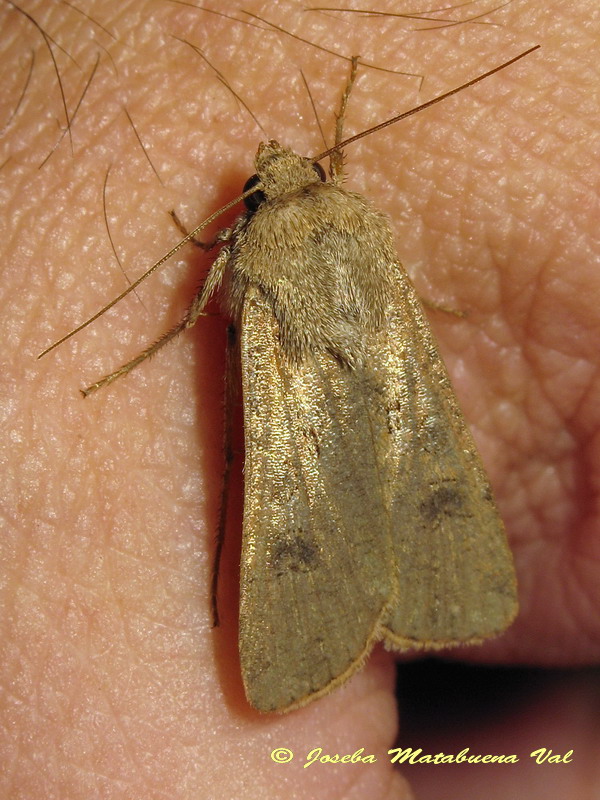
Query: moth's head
point(280, 171)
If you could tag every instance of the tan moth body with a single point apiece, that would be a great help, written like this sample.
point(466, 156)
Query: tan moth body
point(367, 513)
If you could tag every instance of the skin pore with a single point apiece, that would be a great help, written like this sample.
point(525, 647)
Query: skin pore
point(114, 683)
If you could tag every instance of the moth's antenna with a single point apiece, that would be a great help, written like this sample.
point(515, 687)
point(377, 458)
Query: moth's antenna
point(254, 188)
point(148, 272)
point(423, 106)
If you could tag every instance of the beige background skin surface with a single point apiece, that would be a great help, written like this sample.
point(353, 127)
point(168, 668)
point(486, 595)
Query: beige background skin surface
point(113, 684)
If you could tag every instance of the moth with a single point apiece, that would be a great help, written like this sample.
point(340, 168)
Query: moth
point(367, 513)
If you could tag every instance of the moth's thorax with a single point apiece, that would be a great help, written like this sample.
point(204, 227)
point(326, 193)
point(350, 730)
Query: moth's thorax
point(320, 254)
point(281, 170)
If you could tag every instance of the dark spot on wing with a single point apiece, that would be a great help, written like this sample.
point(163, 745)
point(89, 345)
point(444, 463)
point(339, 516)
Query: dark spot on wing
point(443, 501)
point(295, 553)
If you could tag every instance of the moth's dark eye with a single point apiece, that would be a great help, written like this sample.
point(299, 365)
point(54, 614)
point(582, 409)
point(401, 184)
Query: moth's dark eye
point(320, 171)
point(253, 201)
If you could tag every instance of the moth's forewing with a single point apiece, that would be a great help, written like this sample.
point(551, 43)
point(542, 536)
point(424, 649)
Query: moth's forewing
point(316, 573)
point(455, 570)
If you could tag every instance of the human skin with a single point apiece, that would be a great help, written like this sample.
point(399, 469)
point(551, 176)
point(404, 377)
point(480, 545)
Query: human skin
point(113, 682)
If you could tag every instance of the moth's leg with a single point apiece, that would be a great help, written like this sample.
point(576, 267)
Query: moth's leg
point(231, 385)
point(213, 279)
point(336, 159)
point(222, 236)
